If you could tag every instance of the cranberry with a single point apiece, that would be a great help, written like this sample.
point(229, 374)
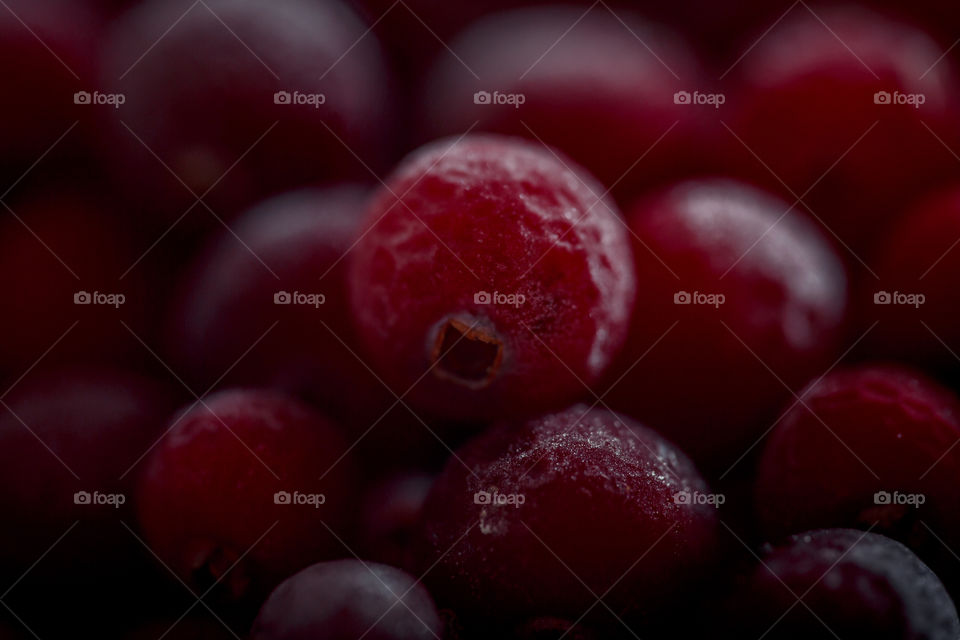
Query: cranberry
point(842, 583)
point(541, 69)
point(391, 517)
point(65, 270)
point(542, 518)
point(348, 599)
point(914, 302)
point(491, 279)
point(47, 55)
point(870, 445)
point(238, 481)
point(241, 99)
point(851, 122)
point(733, 284)
point(69, 441)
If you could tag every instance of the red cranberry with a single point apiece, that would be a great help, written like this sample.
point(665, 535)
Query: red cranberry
point(543, 69)
point(914, 302)
point(872, 445)
point(349, 599)
point(65, 262)
point(492, 279)
point(69, 441)
point(46, 56)
point(845, 107)
point(239, 480)
point(842, 583)
point(732, 284)
point(545, 517)
point(391, 517)
point(241, 99)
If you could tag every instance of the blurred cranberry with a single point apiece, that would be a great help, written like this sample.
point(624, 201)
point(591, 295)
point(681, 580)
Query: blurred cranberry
point(391, 516)
point(852, 111)
point(738, 303)
point(241, 99)
point(603, 89)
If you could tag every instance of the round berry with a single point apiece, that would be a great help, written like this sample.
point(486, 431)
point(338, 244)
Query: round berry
point(542, 518)
point(491, 279)
point(855, 123)
point(240, 490)
point(233, 100)
point(349, 599)
point(391, 517)
point(741, 301)
point(868, 446)
point(914, 303)
point(543, 70)
point(842, 583)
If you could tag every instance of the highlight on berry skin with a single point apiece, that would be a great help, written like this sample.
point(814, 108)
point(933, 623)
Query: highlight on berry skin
point(514, 319)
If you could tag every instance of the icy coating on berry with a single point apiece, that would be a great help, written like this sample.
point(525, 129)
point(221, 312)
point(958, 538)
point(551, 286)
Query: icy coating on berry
point(499, 271)
point(854, 584)
point(584, 485)
point(873, 446)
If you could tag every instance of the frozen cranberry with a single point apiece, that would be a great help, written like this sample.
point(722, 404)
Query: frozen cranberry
point(491, 279)
point(842, 583)
point(914, 303)
point(391, 517)
point(240, 99)
point(846, 108)
point(349, 599)
point(66, 262)
point(238, 480)
point(46, 57)
point(69, 439)
point(543, 70)
point(867, 446)
point(733, 284)
point(542, 518)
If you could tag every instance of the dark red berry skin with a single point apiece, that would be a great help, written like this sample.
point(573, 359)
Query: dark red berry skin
point(490, 215)
point(802, 113)
point(868, 429)
point(348, 599)
point(785, 299)
point(67, 430)
point(619, 74)
point(390, 521)
point(853, 584)
point(205, 94)
point(47, 54)
point(208, 492)
point(599, 490)
point(917, 256)
point(59, 246)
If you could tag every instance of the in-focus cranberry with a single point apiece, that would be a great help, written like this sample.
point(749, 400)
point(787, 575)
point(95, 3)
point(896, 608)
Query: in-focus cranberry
point(542, 518)
point(491, 279)
point(741, 301)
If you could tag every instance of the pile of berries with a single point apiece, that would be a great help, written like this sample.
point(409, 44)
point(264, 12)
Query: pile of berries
point(333, 320)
